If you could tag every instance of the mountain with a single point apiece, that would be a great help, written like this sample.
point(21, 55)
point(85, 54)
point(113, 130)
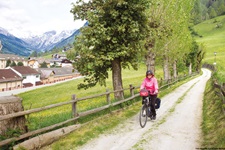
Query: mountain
point(70, 39)
point(13, 45)
point(39, 43)
point(48, 40)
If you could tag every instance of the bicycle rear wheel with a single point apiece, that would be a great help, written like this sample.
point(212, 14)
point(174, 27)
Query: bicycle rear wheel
point(143, 117)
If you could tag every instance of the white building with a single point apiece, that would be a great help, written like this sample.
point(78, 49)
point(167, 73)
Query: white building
point(30, 76)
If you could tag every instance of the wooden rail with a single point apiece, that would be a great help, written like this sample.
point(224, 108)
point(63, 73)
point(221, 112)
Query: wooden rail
point(76, 115)
point(219, 91)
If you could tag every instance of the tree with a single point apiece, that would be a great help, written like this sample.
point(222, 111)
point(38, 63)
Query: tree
point(20, 64)
point(221, 9)
point(34, 54)
point(200, 57)
point(207, 9)
point(194, 57)
point(169, 34)
point(13, 64)
point(8, 62)
point(111, 41)
point(212, 12)
point(44, 65)
point(196, 12)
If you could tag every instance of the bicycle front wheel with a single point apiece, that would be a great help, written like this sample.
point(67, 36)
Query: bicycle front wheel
point(143, 117)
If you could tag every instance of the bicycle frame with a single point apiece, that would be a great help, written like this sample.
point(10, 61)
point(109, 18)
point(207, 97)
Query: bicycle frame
point(145, 111)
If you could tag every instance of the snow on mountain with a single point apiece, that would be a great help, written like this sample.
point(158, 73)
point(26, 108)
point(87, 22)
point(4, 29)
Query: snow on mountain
point(13, 45)
point(5, 32)
point(47, 40)
point(40, 43)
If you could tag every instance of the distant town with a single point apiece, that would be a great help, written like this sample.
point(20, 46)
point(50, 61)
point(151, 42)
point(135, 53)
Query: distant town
point(19, 72)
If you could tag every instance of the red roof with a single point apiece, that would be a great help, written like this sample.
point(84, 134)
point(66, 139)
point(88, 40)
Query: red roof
point(25, 70)
point(66, 61)
point(9, 75)
point(27, 84)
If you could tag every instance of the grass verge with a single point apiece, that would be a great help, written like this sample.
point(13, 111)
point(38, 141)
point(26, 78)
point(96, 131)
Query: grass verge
point(213, 125)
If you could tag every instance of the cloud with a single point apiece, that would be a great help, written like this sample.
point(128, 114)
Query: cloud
point(3, 5)
point(23, 17)
point(12, 18)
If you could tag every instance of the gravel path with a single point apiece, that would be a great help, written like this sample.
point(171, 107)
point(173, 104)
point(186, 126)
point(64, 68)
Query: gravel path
point(178, 123)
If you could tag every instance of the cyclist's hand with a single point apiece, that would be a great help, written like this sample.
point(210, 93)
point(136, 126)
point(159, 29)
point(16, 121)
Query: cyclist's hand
point(155, 92)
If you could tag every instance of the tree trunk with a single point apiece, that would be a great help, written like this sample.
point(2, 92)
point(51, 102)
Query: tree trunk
point(150, 61)
point(175, 69)
point(45, 139)
point(190, 69)
point(166, 68)
point(9, 105)
point(117, 78)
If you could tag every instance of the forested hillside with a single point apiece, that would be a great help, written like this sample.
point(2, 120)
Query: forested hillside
point(207, 9)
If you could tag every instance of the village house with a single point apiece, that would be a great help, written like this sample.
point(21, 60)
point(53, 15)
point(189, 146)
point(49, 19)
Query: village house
point(13, 77)
point(59, 56)
point(47, 76)
point(30, 76)
point(60, 60)
point(60, 63)
point(12, 58)
point(52, 75)
point(66, 63)
point(36, 62)
point(9, 80)
point(56, 62)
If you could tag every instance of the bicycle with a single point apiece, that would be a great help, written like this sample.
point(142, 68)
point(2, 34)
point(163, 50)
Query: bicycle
point(145, 111)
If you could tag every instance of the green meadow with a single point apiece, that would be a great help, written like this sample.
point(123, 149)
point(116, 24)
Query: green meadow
point(64, 91)
point(213, 39)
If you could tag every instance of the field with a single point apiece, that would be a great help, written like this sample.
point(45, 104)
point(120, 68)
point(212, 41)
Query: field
point(213, 39)
point(63, 92)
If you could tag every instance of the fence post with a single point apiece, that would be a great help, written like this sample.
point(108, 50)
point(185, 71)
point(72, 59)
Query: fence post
point(223, 86)
point(161, 82)
point(223, 102)
point(74, 106)
point(108, 96)
point(131, 90)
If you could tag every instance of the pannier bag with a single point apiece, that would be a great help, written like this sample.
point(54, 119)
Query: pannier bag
point(157, 103)
point(143, 92)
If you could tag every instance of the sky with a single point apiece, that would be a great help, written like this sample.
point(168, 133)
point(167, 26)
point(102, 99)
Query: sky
point(34, 17)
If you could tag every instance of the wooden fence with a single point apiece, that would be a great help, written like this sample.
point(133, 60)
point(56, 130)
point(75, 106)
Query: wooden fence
point(218, 88)
point(219, 91)
point(76, 115)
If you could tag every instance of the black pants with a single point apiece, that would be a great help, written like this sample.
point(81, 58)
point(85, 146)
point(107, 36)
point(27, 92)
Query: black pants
point(152, 104)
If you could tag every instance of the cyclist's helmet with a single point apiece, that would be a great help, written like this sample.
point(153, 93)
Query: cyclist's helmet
point(149, 72)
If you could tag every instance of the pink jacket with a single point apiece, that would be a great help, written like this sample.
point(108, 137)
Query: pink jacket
point(151, 85)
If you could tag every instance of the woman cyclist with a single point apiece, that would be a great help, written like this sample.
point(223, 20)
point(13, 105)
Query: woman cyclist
point(150, 83)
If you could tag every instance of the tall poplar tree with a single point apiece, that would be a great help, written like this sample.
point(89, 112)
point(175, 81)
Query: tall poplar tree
point(112, 40)
point(169, 37)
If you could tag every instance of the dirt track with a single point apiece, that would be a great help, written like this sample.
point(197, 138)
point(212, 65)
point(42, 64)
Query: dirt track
point(177, 125)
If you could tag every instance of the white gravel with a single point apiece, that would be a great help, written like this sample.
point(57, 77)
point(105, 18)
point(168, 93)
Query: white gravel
point(174, 129)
